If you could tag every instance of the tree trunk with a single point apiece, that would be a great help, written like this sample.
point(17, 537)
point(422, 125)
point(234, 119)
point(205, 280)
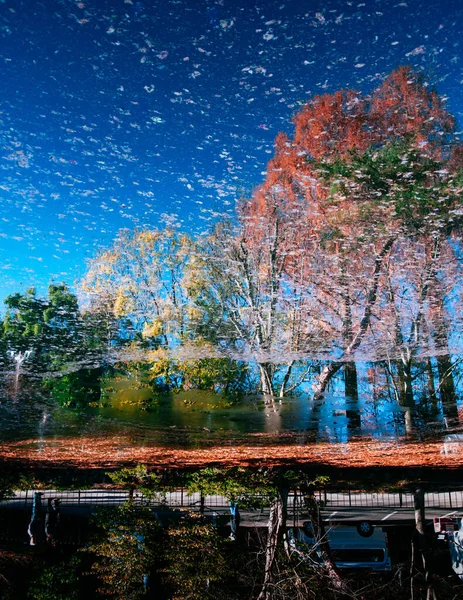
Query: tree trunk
point(351, 381)
point(431, 384)
point(405, 392)
point(330, 370)
point(444, 363)
point(266, 371)
point(321, 540)
point(420, 547)
point(201, 503)
point(324, 379)
point(351, 391)
point(404, 368)
point(447, 386)
point(286, 378)
point(350, 371)
point(276, 529)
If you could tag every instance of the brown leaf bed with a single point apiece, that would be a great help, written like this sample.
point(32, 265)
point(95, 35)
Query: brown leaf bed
point(114, 451)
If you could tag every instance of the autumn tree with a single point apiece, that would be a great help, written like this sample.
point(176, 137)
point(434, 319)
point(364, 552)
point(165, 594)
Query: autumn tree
point(149, 483)
point(241, 304)
point(58, 581)
point(140, 281)
point(421, 204)
point(366, 172)
point(195, 560)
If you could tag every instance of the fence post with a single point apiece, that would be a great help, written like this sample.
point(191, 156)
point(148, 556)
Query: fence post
point(350, 499)
point(450, 499)
point(25, 501)
point(201, 504)
point(181, 497)
point(78, 498)
point(400, 498)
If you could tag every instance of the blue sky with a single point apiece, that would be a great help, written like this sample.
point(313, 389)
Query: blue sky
point(122, 113)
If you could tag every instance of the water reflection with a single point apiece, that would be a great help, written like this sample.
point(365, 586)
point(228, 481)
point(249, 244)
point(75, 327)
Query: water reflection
point(272, 411)
point(126, 402)
point(18, 358)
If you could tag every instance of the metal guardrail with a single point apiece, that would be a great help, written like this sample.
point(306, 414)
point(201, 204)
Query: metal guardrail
point(356, 499)
point(180, 499)
point(82, 498)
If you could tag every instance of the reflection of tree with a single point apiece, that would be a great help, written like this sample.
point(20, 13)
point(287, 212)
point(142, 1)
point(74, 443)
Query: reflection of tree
point(139, 281)
point(52, 328)
point(440, 331)
point(225, 376)
point(399, 174)
point(63, 346)
point(407, 302)
point(242, 303)
point(78, 389)
point(364, 176)
point(348, 250)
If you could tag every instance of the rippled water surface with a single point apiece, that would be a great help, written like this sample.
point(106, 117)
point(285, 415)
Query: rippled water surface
point(192, 416)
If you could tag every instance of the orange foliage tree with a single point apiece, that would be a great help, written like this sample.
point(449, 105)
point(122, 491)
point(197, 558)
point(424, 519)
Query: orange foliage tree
point(360, 175)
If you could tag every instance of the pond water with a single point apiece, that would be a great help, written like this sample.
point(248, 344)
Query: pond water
point(267, 182)
point(194, 416)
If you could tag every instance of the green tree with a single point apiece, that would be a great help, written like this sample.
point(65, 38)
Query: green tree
point(418, 198)
point(24, 324)
point(51, 327)
point(149, 483)
point(125, 551)
point(196, 565)
point(59, 581)
point(252, 488)
point(77, 389)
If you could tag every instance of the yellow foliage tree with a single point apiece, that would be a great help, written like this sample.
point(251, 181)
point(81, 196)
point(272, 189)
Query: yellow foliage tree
point(140, 279)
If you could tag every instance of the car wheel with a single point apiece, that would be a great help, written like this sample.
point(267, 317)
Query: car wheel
point(365, 528)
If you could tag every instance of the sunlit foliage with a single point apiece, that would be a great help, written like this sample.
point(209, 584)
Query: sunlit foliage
point(124, 550)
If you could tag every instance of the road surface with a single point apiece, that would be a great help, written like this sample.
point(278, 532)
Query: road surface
point(337, 507)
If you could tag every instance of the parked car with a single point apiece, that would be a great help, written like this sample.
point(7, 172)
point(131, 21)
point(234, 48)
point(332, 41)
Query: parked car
point(351, 548)
point(451, 529)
